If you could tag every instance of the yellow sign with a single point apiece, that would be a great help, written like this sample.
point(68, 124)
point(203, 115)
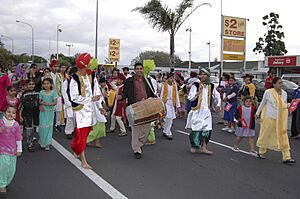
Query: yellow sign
point(234, 27)
point(114, 50)
point(234, 45)
point(238, 57)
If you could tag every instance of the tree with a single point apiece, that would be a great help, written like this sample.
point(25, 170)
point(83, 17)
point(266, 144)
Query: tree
point(160, 58)
point(272, 43)
point(167, 20)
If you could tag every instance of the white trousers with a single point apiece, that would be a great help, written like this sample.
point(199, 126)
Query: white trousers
point(168, 126)
point(120, 123)
point(58, 118)
point(69, 128)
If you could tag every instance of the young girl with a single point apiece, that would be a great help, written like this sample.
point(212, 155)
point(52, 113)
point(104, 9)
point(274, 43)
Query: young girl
point(10, 146)
point(47, 102)
point(12, 100)
point(29, 112)
point(245, 115)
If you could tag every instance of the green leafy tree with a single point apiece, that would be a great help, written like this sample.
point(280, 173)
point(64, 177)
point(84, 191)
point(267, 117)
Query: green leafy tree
point(272, 43)
point(160, 58)
point(167, 20)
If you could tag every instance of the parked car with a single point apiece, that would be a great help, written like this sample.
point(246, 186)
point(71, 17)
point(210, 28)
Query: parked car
point(291, 77)
point(288, 86)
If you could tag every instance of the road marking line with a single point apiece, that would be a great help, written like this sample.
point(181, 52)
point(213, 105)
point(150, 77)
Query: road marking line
point(93, 176)
point(216, 143)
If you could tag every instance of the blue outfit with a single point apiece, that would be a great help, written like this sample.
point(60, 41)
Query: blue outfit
point(229, 115)
point(296, 115)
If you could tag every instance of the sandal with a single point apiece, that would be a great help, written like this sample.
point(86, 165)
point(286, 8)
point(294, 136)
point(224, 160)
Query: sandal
point(261, 156)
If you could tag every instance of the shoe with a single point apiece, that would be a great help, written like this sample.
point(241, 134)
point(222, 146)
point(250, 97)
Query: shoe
point(137, 155)
point(34, 139)
point(290, 161)
point(165, 135)
point(58, 129)
point(110, 131)
point(225, 129)
point(169, 137)
point(122, 134)
point(31, 148)
point(69, 136)
point(231, 130)
point(253, 153)
point(47, 148)
point(261, 156)
point(235, 149)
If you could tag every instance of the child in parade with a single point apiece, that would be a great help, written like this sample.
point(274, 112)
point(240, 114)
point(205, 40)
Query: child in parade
point(118, 111)
point(169, 95)
point(246, 125)
point(29, 112)
point(10, 147)
point(47, 102)
point(12, 100)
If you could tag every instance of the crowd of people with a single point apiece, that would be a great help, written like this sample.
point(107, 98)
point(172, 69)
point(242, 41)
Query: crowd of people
point(79, 102)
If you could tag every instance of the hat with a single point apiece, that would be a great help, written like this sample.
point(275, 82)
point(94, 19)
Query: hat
point(83, 60)
point(247, 75)
point(53, 63)
point(205, 70)
point(121, 77)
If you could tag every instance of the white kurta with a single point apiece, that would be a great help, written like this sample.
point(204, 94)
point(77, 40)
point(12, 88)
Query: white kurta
point(170, 107)
point(85, 117)
point(97, 105)
point(67, 103)
point(201, 120)
point(58, 106)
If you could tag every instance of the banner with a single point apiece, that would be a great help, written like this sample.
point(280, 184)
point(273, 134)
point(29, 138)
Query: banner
point(233, 57)
point(279, 61)
point(234, 26)
point(114, 50)
point(234, 45)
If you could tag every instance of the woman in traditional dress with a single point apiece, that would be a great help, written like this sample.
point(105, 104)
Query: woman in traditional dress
point(274, 122)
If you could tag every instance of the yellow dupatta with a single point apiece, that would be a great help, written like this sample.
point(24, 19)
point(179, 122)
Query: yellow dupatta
point(273, 132)
point(200, 97)
point(165, 96)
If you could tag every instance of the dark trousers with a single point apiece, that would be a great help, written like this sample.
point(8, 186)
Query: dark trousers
point(296, 122)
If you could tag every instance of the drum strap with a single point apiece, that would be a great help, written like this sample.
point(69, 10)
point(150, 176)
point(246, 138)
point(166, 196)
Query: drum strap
point(150, 86)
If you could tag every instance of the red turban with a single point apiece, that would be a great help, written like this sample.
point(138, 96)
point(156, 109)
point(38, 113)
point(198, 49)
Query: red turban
point(53, 63)
point(83, 60)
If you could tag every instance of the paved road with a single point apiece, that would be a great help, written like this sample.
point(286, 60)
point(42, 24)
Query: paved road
point(166, 170)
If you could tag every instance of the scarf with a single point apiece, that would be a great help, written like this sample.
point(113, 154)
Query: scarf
point(165, 96)
point(200, 96)
point(8, 122)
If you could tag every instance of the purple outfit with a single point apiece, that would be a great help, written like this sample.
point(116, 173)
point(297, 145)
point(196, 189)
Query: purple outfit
point(9, 135)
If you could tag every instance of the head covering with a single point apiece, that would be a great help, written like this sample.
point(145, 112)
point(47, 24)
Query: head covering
point(53, 63)
point(121, 77)
point(207, 72)
point(19, 72)
point(83, 60)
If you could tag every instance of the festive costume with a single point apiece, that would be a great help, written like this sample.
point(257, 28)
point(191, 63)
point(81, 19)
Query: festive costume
point(231, 93)
point(199, 118)
point(274, 123)
point(15, 102)
point(69, 128)
point(59, 81)
point(10, 144)
point(246, 121)
point(46, 118)
point(169, 95)
point(81, 90)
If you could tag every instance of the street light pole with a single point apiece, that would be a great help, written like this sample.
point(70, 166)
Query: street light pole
point(69, 46)
point(58, 29)
point(96, 40)
point(12, 42)
point(32, 38)
point(208, 43)
point(190, 48)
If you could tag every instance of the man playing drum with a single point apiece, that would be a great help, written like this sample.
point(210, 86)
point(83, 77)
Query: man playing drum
point(138, 88)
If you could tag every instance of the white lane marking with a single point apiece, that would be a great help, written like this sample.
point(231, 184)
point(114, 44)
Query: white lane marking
point(100, 182)
point(216, 143)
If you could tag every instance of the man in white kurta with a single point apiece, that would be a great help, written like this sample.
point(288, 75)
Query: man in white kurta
point(84, 91)
point(199, 118)
point(169, 97)
point(69, 128)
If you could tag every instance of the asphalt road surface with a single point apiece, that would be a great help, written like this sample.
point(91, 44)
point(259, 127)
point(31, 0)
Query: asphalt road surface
point(167, 170)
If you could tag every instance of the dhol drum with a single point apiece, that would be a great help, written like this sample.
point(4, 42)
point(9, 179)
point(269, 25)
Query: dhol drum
point(145, 111)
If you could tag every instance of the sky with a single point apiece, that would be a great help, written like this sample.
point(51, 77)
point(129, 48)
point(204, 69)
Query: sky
point(116, 20)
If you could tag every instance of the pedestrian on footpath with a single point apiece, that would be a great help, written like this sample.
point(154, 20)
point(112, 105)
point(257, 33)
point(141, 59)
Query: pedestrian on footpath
point(199, 118)
point(48, 99)
point(245, 116)
point(169, 95)
point(273, 134)
point(29, 112)
point(230, 99)
point(84, 90)
point(138, 88)
point(10, 147)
